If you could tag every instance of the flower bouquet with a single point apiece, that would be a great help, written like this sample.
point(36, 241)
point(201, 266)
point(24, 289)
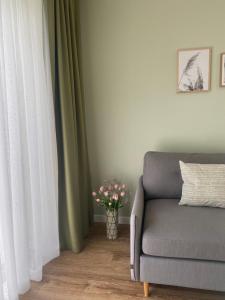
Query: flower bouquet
point(112, 196)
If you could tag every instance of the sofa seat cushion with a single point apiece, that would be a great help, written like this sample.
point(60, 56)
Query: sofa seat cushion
point(171, 230)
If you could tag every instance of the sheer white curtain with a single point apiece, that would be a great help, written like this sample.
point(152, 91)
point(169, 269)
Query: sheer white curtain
point(28, 158)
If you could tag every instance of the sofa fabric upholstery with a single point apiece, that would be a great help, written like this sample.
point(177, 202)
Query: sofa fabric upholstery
point(171, 230)
point(199, 274)
point(172, 244)
point(162, 176)
point(136, 220)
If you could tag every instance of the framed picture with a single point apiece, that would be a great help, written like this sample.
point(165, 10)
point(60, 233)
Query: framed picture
point(194, 70)
point(222, 69)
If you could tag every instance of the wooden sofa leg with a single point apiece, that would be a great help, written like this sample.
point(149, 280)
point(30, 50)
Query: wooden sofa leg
point(146, 289)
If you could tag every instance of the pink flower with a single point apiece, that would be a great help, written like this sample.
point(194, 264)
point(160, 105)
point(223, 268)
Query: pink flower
point(98, 200)
point(106, 193)
point(122, 194)
point(116, 186)
point(124, 186)
point(101, 189)
point(115, 197)
point(94, 194)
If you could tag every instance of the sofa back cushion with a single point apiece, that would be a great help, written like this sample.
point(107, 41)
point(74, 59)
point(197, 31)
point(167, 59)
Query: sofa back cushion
point(162, 176)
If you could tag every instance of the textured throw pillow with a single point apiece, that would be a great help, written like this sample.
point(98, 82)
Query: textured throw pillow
point(203, 184)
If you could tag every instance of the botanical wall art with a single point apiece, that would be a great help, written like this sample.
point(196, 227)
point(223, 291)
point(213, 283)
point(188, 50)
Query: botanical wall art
point(193, 70)
point(222, 69)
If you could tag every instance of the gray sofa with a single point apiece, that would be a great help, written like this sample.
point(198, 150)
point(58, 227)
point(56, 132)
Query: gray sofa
point(172, 244)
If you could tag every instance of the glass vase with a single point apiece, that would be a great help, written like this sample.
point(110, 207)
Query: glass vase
point(112, 224)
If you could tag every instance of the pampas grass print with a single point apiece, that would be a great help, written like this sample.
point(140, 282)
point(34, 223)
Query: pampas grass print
point(189, 66)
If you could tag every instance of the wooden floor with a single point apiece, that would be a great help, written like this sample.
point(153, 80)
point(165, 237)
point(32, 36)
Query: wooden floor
point(101, 272)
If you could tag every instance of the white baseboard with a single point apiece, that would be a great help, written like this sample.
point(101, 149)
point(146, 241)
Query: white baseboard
point(102, 218)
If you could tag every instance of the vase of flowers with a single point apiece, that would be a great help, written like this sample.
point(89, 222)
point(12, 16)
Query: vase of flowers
point(112, 196)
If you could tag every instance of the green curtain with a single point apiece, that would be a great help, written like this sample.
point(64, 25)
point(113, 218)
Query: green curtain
point(75, 209)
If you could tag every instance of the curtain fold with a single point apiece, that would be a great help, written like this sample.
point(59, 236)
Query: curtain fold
point(75, 209)
point(29, 235)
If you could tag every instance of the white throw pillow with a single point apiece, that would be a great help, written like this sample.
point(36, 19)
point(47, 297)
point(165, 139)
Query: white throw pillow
point(203, 184)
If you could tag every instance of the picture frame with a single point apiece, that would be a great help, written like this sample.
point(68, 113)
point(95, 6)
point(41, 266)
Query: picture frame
point(194, 70)
point(222, 69)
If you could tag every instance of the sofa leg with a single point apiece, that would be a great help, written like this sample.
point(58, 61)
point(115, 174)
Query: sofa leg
point(146, 289)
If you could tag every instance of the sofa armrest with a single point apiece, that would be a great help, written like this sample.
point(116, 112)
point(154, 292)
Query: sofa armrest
point(135, 231)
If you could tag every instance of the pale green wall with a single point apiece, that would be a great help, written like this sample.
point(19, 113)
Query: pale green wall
point(129, 67)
